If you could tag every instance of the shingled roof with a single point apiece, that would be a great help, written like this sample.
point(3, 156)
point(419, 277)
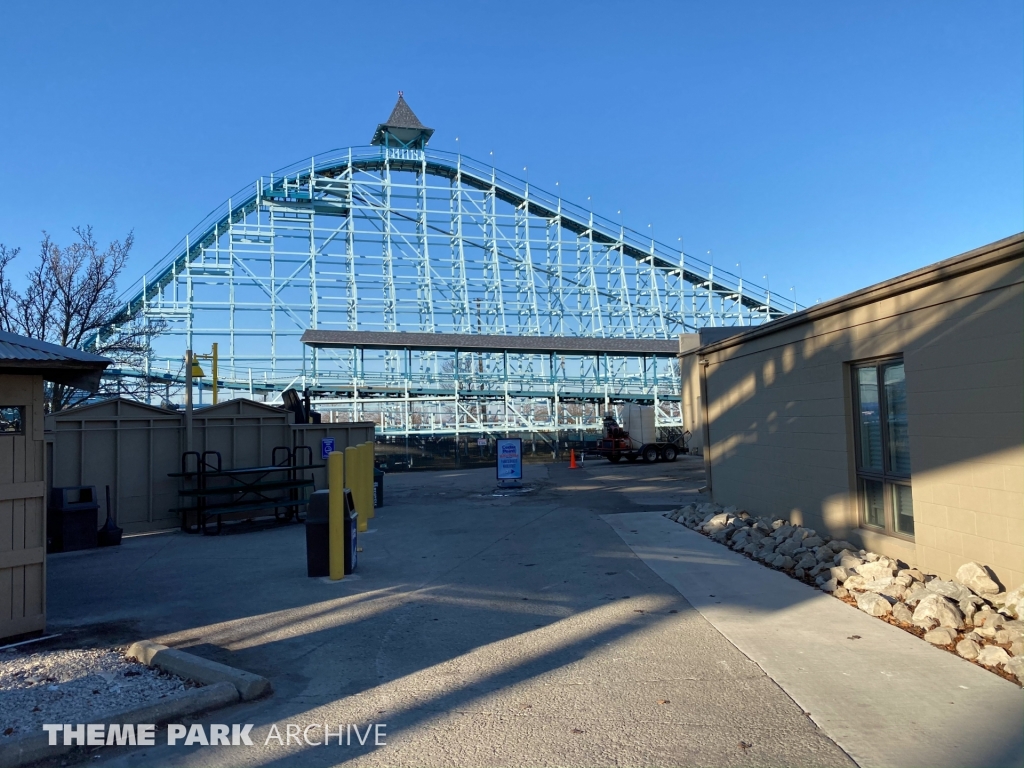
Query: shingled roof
point(403, 127)
point(63, 365)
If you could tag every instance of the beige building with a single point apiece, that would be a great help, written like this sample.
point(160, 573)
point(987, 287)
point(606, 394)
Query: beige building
point(892, 417)
point(24, 365)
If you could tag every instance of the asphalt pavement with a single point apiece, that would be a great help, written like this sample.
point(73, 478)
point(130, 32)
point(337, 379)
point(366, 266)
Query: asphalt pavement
point(482, 629)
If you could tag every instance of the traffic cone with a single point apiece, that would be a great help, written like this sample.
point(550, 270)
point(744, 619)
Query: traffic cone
point(572, 459)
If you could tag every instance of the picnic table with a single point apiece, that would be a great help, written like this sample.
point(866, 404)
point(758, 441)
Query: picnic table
point(243, 492)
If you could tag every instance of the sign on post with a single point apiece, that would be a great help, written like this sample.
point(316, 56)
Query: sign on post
point(326, 446)
point(510, 458)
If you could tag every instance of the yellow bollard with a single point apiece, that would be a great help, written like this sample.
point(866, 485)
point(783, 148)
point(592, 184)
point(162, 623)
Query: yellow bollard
point(368, 474)
point(352, 457)
point(336, 513)
point(365, 504)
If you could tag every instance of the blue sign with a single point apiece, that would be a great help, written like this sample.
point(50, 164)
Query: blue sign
point(510, 458)
point(326, 446)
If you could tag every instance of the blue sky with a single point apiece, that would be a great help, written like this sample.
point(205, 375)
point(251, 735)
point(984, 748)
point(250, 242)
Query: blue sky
point(829, 145)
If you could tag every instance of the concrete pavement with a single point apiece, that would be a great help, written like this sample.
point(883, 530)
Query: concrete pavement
point(886, 697)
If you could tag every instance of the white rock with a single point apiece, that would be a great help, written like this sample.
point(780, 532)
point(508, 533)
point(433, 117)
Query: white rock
point(855, 582)
point(829, 585)
point(948, 589)
point(787, 547)
point(901, 613)
point(848, 560)
point(841, 592)
point(1015, 666)
point(785, 562)
point(806, 561)
point(940, 636)
point(1015, 628)
point(970, 606)
point(1014, 602)
point(872, 604)
point(799, 573)
point(913, 573)
point(879, 569)
point(813, 541)
point(993, 656)
point(783, 532)
point(870, 557)
point(977, 578)
point(993, 621)
point(716, 523)
point(824, 555)
point(877, 585)
point(968, 648)
point(936, 609)
point(915, 593)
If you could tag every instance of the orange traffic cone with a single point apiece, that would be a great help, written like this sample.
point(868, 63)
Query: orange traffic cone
point(572, 459)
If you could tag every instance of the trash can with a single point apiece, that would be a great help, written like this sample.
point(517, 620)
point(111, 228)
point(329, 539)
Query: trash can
point(378, 488)
point(71, 518)
point(318, 543)
point(318, 540)
point(351, 534)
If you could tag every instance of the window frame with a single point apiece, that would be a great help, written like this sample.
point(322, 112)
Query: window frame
point(22, 410)
point(885, 476)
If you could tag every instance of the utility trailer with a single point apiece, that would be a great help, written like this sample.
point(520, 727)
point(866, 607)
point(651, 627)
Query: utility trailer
point(635, 439)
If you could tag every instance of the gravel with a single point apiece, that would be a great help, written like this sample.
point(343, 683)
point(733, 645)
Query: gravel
point(73, 686)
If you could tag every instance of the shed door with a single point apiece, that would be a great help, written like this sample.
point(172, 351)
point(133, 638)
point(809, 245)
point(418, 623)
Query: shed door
point(22, 511)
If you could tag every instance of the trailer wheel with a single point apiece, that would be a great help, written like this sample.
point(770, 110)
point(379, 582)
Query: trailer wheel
point(614, 458)
point(650, 454)
point(669, 454)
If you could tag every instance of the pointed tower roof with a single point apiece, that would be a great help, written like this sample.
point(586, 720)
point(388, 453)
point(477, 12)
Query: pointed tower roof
point(402, 129)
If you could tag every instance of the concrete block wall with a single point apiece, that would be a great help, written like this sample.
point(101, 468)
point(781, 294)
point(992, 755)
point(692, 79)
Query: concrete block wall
point(781, 422)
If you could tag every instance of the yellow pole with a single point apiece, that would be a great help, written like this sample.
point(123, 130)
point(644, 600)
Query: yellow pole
point(188, 400)
point(336, 513)
point(215, 373)
point(368, 478)
point(352, 457)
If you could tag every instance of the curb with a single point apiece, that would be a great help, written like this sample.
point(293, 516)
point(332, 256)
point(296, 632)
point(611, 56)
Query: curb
point(29, 749)
point(192, 667)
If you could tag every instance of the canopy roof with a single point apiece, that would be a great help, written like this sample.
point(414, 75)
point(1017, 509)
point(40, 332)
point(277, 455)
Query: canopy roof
point(479, 342)
point(21, 355)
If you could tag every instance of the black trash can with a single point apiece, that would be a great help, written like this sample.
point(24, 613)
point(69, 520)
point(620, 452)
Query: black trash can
point(71, 518)
point(318, 542)
point(378, 488)
point(351, 534)
point(318, 538)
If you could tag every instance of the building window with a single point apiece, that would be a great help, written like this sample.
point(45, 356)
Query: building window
point(883, 447)
point(12, 419)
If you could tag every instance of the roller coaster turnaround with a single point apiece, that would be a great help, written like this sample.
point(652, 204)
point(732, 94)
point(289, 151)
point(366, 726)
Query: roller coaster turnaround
point(395, 238)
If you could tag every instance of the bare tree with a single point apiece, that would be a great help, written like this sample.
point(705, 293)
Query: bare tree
point(70, 298)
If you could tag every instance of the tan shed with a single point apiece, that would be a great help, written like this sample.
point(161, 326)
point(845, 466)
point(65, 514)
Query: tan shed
point(25, 364)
